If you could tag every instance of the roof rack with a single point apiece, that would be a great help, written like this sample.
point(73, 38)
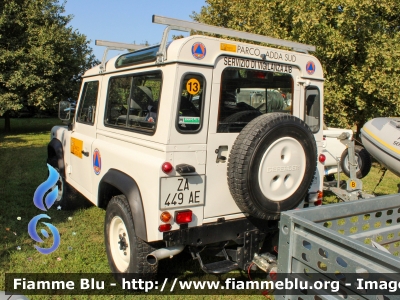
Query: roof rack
point(181, 25)
point(115, 46)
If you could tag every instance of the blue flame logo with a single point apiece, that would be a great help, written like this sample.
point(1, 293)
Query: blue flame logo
point(50, 187)
point(32, 232)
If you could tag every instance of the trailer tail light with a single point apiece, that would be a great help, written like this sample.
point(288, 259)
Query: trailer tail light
point(164, 227)
point(322, 158)
point(183, 216)
point(315, 198)
point(319, 198)
point(165, 217)
point(166, 167)
point(273, 274)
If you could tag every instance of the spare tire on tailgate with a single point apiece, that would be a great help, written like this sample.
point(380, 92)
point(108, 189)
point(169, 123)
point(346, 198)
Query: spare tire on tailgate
point(271, 165)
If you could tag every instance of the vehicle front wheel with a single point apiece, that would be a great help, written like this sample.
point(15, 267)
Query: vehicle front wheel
point(125, 251)
point(67, 197)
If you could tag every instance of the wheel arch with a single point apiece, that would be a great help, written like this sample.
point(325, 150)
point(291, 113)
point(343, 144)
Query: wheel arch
point(115, 182)
point(55, 149)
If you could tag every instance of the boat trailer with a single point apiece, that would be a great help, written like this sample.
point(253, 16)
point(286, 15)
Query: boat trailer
point(353, 186)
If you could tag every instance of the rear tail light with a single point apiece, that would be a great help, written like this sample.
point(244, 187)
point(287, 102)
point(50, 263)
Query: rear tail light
point(183, 217)
point(322, 158)
point(164, 227)
point(166, 167)
point(319, 198)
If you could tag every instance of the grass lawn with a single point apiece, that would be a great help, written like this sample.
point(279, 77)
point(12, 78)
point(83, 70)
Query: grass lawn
point(387, 186)
point(23, 155)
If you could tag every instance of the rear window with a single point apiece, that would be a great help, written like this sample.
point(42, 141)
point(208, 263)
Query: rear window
point(190, 108)
point(247, 94)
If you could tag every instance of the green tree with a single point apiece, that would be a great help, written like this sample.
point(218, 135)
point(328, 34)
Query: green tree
point(357, 43)
point(41, 57)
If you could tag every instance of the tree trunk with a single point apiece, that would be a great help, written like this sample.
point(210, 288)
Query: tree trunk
point(7, 122)
point(359, 125)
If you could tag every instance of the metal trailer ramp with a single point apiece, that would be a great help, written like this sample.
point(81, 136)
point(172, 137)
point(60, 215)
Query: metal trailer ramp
point(336, 243)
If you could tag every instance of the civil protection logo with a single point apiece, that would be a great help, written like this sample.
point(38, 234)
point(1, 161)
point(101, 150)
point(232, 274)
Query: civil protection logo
point(97, 161)
point(198, 50)
point(310, 67)
point(49, 191)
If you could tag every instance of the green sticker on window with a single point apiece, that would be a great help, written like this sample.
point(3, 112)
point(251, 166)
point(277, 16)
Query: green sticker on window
point(189, 120)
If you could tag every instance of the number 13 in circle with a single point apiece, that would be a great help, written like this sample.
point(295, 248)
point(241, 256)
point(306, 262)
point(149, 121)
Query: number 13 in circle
point(193, 86)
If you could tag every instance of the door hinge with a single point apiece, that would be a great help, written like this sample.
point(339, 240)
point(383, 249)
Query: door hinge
point(301, 81)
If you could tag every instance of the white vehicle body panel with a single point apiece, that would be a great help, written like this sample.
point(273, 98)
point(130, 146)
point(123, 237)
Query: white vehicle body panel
point(140, 156)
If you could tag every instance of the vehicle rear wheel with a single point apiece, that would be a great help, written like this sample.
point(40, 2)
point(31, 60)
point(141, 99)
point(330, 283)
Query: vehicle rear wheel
point(125, 251)
point(363, 161)
point(271, 165)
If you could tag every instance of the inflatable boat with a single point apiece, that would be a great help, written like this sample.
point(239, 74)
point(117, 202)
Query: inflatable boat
point(381, 138)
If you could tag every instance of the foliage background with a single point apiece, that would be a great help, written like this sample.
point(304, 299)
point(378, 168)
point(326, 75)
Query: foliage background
point(41, 57)
point(357, 44)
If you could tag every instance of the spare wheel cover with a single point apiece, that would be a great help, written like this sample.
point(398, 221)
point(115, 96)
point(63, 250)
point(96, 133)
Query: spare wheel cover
point(271, 165)
point(280, 178)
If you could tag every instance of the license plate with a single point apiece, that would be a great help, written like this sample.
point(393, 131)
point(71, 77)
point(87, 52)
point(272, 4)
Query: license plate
point(182, 191)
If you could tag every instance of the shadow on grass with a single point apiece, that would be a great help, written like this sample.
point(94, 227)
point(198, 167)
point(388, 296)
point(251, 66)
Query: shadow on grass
point(30, 125)
point(6, 139)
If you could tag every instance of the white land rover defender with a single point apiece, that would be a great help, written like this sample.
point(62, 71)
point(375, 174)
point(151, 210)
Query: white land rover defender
point(197, 143)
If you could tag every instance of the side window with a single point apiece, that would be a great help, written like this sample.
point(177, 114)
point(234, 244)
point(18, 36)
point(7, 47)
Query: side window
point(247, 94)
point(144, 100)
point(132, 102)
point(87, 106)
point(312, 108)
point(190, 108)
point(119, 89)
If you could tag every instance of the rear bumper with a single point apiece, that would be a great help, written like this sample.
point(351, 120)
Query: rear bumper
point(232, 230)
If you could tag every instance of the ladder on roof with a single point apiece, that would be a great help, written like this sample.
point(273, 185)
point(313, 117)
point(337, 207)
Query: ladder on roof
point(115, 46)
point(186, 26)
point(181, 25)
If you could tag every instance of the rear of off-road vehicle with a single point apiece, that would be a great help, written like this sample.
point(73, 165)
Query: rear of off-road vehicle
point(197, 144)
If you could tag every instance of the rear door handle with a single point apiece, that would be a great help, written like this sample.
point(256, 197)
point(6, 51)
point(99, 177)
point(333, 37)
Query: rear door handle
point(220, 157)
point(86, 153)
point(185, 168)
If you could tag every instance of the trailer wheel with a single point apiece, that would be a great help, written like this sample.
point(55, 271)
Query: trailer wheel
point(363, 161)
point(271, 165)
point(125, 251)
